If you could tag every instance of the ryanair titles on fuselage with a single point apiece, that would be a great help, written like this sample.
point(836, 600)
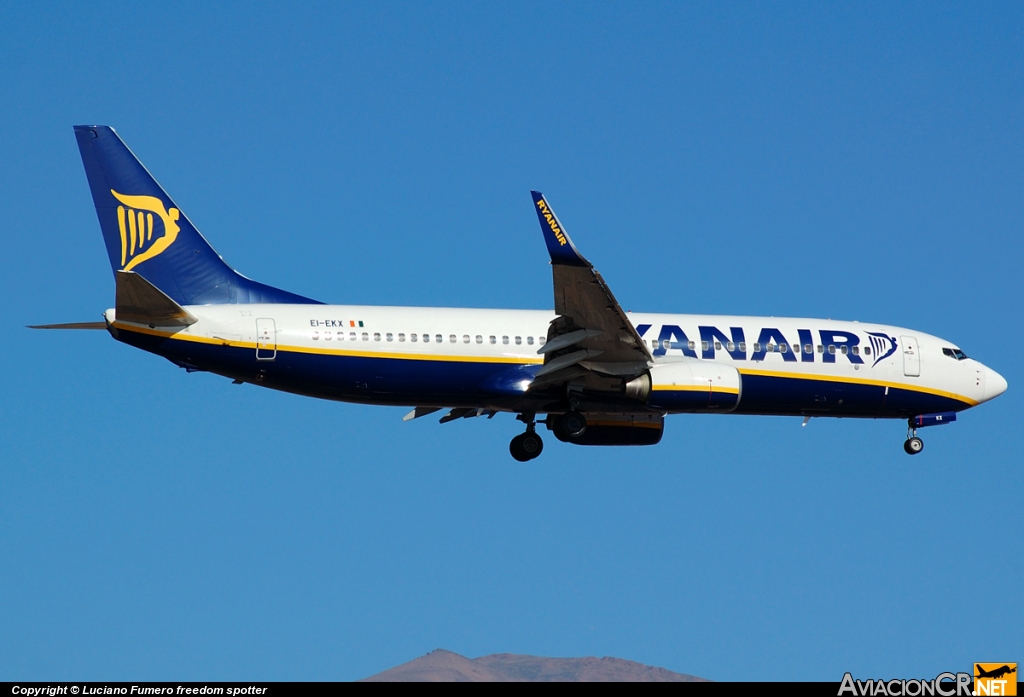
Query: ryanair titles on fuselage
point(831, 343)
point(710, 339)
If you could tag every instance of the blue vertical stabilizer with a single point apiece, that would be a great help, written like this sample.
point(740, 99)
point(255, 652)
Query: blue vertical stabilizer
point(147, 233)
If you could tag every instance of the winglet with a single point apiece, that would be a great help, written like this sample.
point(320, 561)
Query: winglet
point(560, 247)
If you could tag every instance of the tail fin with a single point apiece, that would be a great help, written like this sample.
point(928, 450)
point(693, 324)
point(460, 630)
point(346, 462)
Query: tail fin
point(147, 233)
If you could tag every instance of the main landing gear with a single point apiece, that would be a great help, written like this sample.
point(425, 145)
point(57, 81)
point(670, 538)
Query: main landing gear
point(526, 446)
point(567, 428)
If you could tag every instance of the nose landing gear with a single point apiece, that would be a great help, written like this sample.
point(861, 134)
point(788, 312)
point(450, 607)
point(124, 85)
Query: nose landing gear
point(913, 445)
point(526, 446)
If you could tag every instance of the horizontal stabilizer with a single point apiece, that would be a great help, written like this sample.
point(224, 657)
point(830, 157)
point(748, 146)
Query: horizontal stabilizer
point(140, 302)
point(70, 325)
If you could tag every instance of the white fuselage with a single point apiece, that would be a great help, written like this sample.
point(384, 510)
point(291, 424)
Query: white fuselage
point(420, 355)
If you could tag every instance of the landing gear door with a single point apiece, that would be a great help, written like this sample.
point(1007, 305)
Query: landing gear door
point(911, 357)
point(266, 340)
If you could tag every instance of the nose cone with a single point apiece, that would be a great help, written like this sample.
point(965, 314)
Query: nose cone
point(995, 385)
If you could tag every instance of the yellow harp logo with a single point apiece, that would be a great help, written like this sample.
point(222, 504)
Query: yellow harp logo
point(135, 222)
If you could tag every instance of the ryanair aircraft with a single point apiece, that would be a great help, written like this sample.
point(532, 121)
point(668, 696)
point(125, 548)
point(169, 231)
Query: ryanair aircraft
point(597, 375)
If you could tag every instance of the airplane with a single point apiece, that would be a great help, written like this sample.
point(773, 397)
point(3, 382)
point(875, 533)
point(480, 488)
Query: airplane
point(995, 673)
point(596, 374)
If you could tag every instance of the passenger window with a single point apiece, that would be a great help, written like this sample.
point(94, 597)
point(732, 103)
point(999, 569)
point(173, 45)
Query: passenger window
point(451, 338)
point(808, 348)
point(315, 335)
point(691, 345)
point(494, 339)
point(390, 336)
point(465, 338)
point(412, 338)
point(832, 349)
point(783, 348)
point(757, 347)
point(328, 336)
point(479, 339)
point(845, 349)
point(718, 345)
point(541, 340)
point(856, 350)
point(796, 348)
point(729, 346)
point(352, 336)
point(376, 336)
point(867, 350)
point(821, 349)
point(666, 344)
point(704, 346)
point(341, 336)
point(366, 336)
point(401, 337)
point(519, 340)
point(654, 343)
point(743, 346)
point(529, 340)
point(440, 339)
point(504, 339)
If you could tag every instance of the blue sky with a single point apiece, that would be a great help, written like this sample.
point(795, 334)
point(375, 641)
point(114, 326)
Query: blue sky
point(859, 161)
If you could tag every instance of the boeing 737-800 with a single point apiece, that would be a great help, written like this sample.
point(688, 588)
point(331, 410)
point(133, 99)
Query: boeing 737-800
point(596, 374)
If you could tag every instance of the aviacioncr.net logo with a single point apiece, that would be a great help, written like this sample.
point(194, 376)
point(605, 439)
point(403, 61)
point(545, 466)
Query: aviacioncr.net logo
point(995, 679)
point(140, 238)
point(943, 685)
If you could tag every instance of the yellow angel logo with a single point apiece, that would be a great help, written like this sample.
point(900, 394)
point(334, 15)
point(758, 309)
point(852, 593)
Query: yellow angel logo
point(135, 222)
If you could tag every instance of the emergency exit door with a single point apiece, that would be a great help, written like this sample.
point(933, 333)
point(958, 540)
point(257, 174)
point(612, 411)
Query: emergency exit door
point(266, 340)
point(911, 357)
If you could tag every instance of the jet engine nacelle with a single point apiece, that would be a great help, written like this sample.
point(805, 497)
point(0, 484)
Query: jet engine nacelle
point(616, 429)
point(695, 386)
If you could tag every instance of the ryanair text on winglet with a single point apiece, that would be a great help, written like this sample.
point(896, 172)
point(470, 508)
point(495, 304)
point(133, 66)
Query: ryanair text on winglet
point(943, 685)
point(552, 223)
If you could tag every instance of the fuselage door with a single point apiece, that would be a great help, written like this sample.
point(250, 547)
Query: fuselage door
point(266, 340)
point(911, 357)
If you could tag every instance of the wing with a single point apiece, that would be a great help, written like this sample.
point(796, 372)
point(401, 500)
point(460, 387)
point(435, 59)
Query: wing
point(591, 334)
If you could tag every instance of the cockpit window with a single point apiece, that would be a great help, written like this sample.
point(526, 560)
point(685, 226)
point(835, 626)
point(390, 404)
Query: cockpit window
point(955, 353)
